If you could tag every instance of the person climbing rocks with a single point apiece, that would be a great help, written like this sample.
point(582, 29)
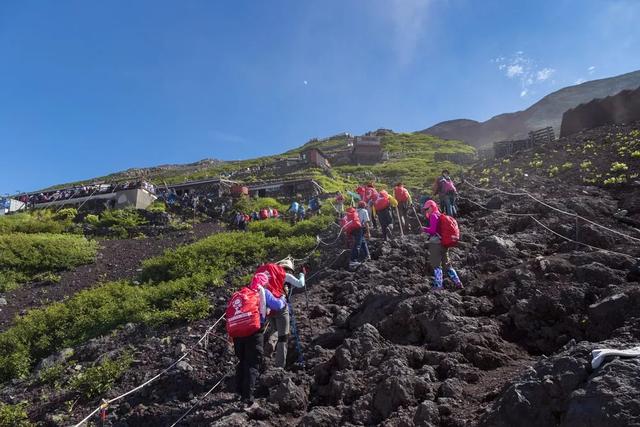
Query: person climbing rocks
point(445, 189)
point(246, 319)
point(293, 209)
point(362, 249)
point(438, 253)
point(370, 195)
point(403, 197)
point(314, 205)
point(279, 277)
point(339, 200)
point(301, 213)
point(383, 206)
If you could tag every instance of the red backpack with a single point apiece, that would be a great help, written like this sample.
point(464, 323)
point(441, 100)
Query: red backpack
point(401, 194)
point(275, 276)
point(448, 231)
point(381, 203)
point(264, 214)
point(352, 221)
point(447, 186)
point(243, 313)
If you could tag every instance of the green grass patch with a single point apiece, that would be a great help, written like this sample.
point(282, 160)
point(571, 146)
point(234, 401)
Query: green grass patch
point(39, 221)
point(14, 415)
point(97, 380)
point(173, 291)
point(25, 257)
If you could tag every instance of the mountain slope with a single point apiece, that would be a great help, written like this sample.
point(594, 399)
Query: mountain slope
point(546, 112)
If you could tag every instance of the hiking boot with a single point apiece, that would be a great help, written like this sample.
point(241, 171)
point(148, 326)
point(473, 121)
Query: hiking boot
point(250, 406)
point(353, 265)
point(437, 278)
point(454, 277)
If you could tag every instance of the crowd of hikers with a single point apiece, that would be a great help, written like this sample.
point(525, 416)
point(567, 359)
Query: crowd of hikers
point(82, 191)
point(295, 213)
point(260, 317)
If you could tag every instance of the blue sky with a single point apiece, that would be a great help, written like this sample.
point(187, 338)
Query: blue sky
point(88, 88)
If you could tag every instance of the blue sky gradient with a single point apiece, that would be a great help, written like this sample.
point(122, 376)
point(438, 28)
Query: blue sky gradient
point(89, 88)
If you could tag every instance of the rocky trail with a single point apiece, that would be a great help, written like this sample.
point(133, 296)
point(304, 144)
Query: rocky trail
point(117, 259)
point(513, 348)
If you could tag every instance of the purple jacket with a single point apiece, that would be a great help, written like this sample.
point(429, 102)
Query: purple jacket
point(432, 229)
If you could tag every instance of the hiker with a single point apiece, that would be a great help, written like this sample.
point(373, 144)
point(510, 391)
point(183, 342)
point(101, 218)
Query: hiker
point(246, 317)
point(370, 195)
point(363, 247)
point(339, 203)
point(445, 189)
point(438, 252)
point(314, 205)
point(280, 277)
point(353, 232)
point(383, 206)
point(294, 210)
point(403, 197)
point(301, 212)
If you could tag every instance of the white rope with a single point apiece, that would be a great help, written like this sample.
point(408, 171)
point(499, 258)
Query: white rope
point(133, 390)
point(547, 228)
point(495, 210)
point(579, 243)
point(201, 399)
point(557, 210)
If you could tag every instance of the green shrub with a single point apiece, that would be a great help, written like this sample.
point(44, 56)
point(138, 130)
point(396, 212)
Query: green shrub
point(157, 206)
point(39, 221)
point(219, 253)
point(125, 218)
point(52, 375)
point(26, 256)
point(618, 167)
point(14, 415)
point(94, 312)
point(99, 379)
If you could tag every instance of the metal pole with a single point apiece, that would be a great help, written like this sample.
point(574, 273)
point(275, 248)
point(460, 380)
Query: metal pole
point(400, 222)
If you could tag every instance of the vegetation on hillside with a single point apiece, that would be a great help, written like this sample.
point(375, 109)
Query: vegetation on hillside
point(38, 256)
point(598, 157)
point(173, 289)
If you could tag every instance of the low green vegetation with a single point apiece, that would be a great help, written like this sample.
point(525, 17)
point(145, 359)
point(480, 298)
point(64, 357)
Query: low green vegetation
point(214, 256)
point(119, 222)
point(25, 257)
point(411, 160)
point(173, 290)
point(14, 415)
point(98, 379)
point(279, 228)
point(39, 221)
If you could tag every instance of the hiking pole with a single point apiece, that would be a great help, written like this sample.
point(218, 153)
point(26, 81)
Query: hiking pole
point(399, 222)
point(306, 296)
point(294, 331)
point(416, 214)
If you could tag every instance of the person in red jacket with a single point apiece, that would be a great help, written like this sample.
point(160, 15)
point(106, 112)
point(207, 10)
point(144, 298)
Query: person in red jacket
point(403, 197)
point(279, 275)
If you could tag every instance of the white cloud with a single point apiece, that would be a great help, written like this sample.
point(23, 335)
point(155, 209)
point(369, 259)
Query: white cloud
point(408, 22)
point(514, 70)
point(523, 69)
point(580, 81)
point(305, 82)
point(591, 69)
point(544, 74)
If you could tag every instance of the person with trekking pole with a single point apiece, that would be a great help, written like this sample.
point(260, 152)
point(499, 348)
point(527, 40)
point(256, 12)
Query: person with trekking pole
point(280, 277)
point(443, 234)
point(403, 197)
point(246, 318)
